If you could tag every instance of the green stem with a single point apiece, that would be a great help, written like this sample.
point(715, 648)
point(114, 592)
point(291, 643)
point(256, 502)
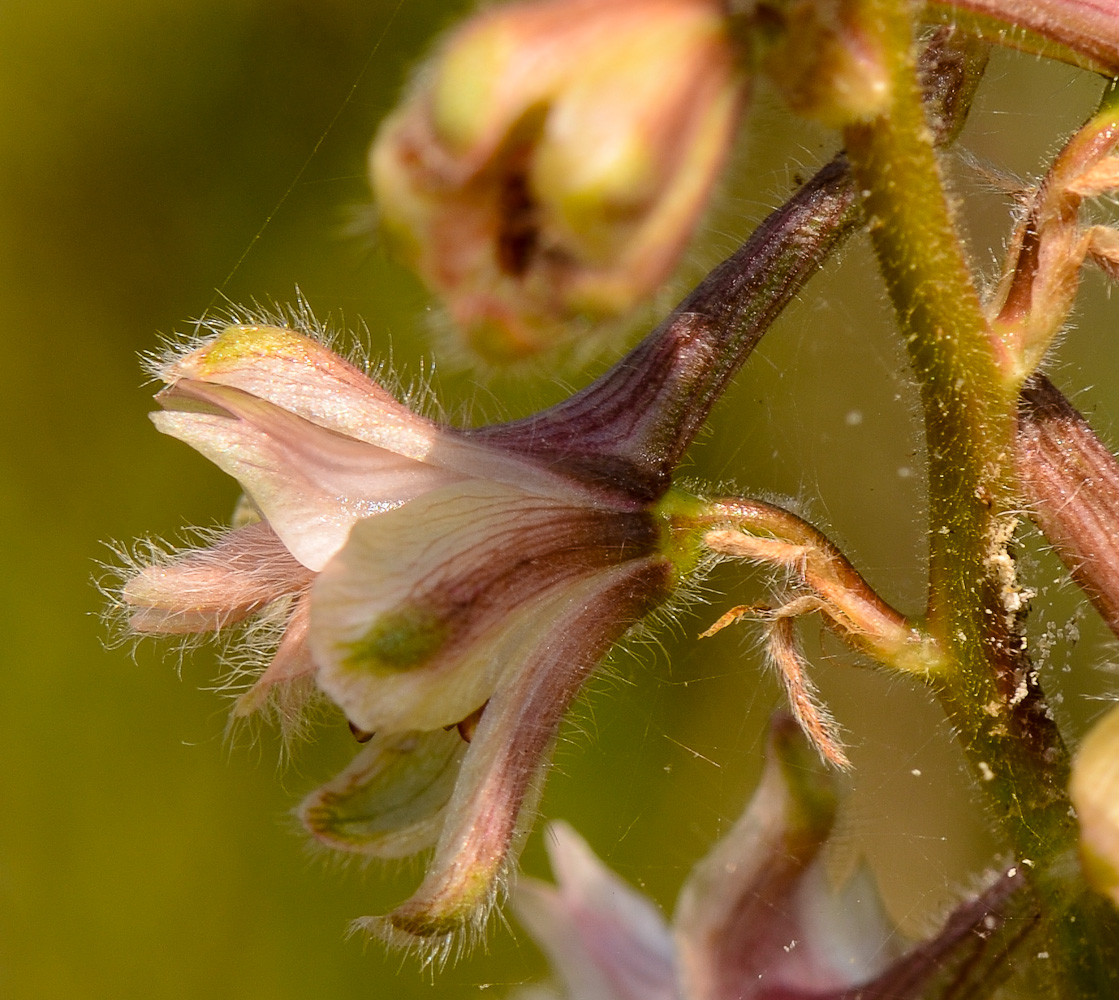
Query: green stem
point(989, 690)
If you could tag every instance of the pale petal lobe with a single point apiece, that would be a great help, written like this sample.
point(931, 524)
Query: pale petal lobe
point(390, 801)
point(421, 613)
point(606, 940)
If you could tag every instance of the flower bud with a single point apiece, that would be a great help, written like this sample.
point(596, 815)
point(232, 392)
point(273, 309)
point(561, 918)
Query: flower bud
point(757, 919)
point(554, 159)
point(1094, 791)
point(822, 55)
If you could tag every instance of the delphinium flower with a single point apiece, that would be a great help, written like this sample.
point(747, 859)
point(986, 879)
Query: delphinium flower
point(552, 161)
point(451, 590)
point(757, 918)
point(439, 590)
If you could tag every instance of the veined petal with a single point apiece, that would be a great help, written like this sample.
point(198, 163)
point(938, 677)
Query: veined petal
point(311, 484)
point(426, 608)
point(740, 920)
point(299, 374)
point(390, 802)
point(305, 377)
point(290, 663)
point(605, 939)
point(501, 771)
point(204, 589)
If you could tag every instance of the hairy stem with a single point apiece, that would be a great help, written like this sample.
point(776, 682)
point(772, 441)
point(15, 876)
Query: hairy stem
point(1084, 33)
point(989, 691)
point(762, 532)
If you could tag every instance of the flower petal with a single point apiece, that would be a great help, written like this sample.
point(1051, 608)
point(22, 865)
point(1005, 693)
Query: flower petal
point(752, 920)
point(390, 802)
point(653, 127)
point(305, 377)
point(204, 589)
point(554, 160)
point(278, 687)
point(501, 773)
point(427, 607)
point(310, 483)
point(971, 955)
point(846, 936)
point(606, 940)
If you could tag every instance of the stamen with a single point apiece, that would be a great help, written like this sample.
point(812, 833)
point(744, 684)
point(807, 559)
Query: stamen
point(469, 725)
point(359, 734)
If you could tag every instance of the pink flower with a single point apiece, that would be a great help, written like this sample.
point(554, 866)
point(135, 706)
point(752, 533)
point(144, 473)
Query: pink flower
point(436, 588)
point(755, 920)
point(443, 585)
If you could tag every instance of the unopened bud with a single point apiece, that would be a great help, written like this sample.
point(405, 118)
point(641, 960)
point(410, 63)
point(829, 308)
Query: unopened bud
point(827, 63)
point(553, 161)
point(1094, 791)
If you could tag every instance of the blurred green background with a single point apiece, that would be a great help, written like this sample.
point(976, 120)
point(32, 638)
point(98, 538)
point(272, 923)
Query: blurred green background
point(160, 159)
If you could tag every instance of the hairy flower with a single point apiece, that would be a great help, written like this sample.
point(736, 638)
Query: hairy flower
point(451, 590)
point(554, 159)
point(439, 590)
